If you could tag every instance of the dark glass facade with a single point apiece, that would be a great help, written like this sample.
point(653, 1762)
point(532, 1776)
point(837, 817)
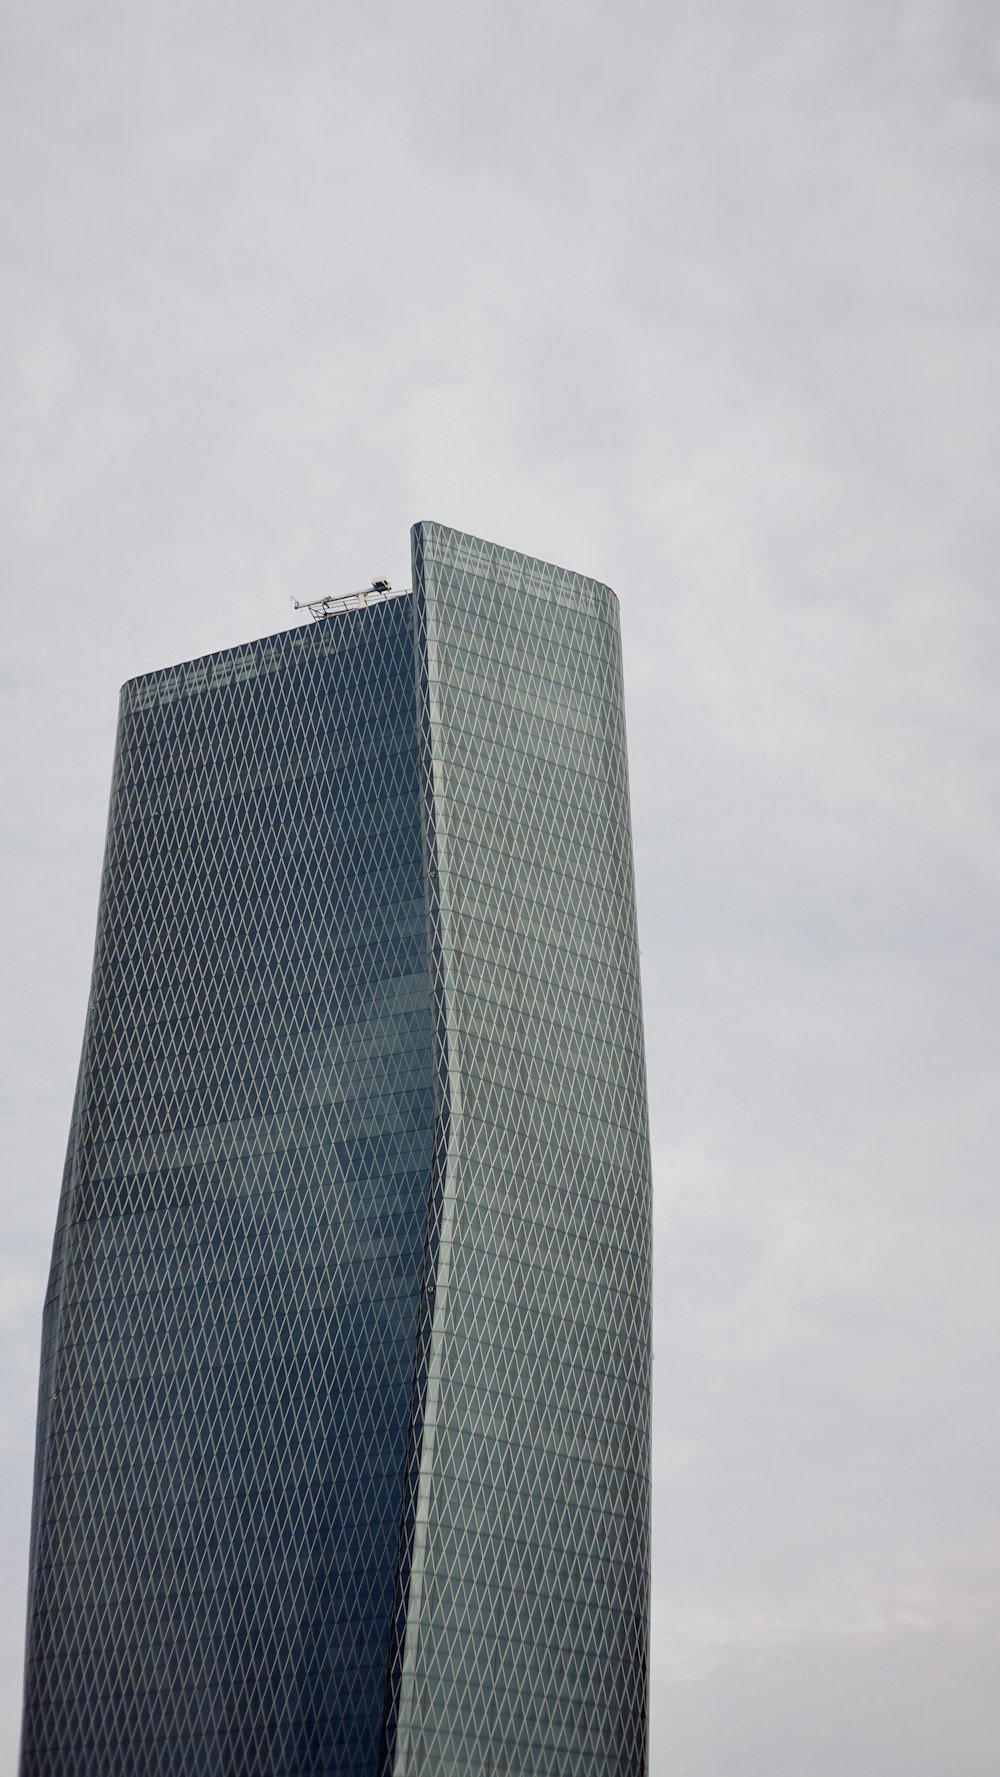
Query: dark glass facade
point(343, 1450)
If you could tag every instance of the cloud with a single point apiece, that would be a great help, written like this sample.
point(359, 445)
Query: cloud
point(701, 300)
point(864, 1608)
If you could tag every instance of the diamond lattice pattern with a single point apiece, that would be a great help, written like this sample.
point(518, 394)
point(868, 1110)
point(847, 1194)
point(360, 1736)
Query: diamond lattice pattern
point(343, 1454)
point(527, 1636)
point(228, 1358)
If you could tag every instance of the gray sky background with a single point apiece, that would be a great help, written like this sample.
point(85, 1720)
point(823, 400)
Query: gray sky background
point(702, 299)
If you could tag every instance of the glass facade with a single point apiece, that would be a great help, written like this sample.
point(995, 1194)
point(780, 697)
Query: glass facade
point(527, 1636)
point(343, 1449)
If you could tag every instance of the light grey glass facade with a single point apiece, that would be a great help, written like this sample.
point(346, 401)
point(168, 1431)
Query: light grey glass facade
point(343, 1454)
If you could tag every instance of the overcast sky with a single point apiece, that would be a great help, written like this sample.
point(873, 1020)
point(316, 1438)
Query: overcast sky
point(700, 297)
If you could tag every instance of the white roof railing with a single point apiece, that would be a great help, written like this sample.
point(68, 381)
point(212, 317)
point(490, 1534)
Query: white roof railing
point(334, 603)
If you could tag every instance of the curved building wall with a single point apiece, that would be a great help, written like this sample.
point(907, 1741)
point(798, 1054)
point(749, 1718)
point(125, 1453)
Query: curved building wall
point(343, 1447)
point(227, 1375)
point(526, 1646)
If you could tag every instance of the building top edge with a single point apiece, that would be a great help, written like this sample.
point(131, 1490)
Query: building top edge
point(260, 654)
point(441, 541)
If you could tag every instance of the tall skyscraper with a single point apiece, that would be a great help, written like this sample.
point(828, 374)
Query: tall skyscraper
point(343, 1442)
